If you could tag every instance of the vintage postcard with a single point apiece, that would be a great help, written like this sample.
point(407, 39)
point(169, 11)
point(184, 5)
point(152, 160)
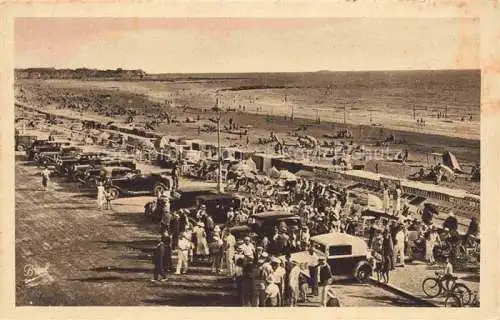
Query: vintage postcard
point(276, 156)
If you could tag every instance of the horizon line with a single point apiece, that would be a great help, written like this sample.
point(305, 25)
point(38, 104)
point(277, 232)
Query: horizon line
point(251, 72)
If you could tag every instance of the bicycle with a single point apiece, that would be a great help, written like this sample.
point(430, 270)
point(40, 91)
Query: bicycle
point(455, 299)
point(447, 286)
point(475, 300)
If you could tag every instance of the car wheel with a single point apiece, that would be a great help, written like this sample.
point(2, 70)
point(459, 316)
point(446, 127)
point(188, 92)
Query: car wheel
point(113, 193)
point(363, 272)
point(159, 189)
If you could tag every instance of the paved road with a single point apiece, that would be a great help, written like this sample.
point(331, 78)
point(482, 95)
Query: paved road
point(103, 257)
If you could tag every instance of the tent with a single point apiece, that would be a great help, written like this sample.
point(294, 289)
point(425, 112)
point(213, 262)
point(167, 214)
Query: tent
point(274, 173)
point(287, 175)
point(162, 142)
point(374, 202)
point(451, 162)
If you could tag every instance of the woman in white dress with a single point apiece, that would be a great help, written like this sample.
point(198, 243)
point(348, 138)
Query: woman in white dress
point(101, 196)
point(431, 241)
point(201, 243)
point(386, 199)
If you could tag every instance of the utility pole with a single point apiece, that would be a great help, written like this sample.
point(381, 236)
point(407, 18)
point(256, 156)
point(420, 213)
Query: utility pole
point(219, 171)
point(414, 116)
point(345, 114)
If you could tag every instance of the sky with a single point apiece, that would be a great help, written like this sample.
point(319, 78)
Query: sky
point(224, 45)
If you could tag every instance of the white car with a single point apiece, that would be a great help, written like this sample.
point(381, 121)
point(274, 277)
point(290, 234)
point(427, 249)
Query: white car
point(347, 255)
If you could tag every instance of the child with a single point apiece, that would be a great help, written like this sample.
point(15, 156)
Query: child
point(108, 197)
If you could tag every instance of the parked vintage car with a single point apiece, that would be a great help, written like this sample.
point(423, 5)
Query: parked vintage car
point(64, 165)
point(217, 205)
point(263, 224)
point(24, 141)
point(50, 157)
point(136, 183)
point(347, 255)
point(45, 146)
point(82, 172)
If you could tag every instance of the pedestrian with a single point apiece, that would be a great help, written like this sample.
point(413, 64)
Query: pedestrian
point(108, 197)
point(238, 276)
point(398, 200)
point(159, 260)
point(386, 199)
point(174, 229)
point(324, 277)
point(163, 208)
point(201, 245)
point(229, 251)
point(387, 256)
point(312, 263)
point(294, 284)
point(45, 178)
point(431, 240)
point(209, 226)
point(400, 247)
point(175, 176)
point(167, 257)
point(184, 246)
point(273, 296)
point(101, 195)
point(216, 253)
point(248, 249)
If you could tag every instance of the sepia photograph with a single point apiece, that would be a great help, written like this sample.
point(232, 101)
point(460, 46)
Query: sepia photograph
point(247, 161)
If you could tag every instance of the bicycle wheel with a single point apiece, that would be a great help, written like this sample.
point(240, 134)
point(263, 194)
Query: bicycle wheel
point(462, 291)
point(431, 287)
point(452, 301)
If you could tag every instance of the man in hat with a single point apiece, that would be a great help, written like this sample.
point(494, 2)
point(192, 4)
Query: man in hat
point(160, 258)
point(278, 274)
point(184, 246)
point(283, 241)
point(163, 207)
point(324, 277)
point(174, 229)
point(216, 253)
point(312, 263)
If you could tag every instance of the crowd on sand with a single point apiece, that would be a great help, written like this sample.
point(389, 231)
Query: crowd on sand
point(262, 266)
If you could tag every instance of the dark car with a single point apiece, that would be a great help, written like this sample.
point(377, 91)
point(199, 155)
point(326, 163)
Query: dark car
point(217, 205)
point(264, 223)
point(51, 157)
point(65, 164)
point(81, 172)
point(23, 141)
point(137, 183)
point(45, 146)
